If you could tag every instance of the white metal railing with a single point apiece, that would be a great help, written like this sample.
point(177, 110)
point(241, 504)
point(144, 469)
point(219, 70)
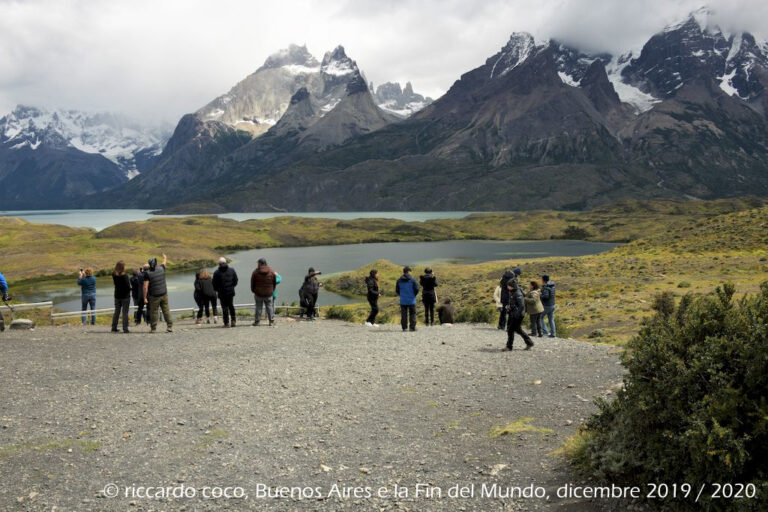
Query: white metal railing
point(109, 311)
point(26, 307)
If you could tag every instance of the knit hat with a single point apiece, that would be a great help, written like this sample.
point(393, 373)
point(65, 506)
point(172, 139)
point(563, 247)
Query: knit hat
point(222, 260)
point(262, 261)
point(517, 271)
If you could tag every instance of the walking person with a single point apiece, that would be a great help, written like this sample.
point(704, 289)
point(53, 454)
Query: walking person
point(122, 295)
point(309, 292)
point(407, 289)
point(446, 312)
point(428, 282)
point(137, 291)
point(6, 298)
point(224, 283)
point(372, 294)
point(548, 301)
point(156, 294)
point(87, 284)
point(263, 283)
point(508, 274)
point(534, 308)
point(516, 314)
point(205, 296)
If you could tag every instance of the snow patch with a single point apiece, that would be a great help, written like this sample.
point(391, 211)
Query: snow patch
point(215, 113)
point(641, 101)
point(337, 68)
point(568, 79)
point(735, 47)
point(726, 85)
point(298, 69)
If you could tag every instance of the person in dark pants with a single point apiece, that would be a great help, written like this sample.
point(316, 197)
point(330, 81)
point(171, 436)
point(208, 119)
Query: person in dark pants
point(373, 294)
point(407, 289)
point(446, 312)
point(428, 283)
point(508, 274)
point(6, 298)
point(205, 296)
point(137, 291)
point(87, 284)
point(534, 308)
point(224, 282)
point(122, 295)
point(548, 301)
point(309, 291)
point(263, 284)
point(516, 311)
point(156, 294)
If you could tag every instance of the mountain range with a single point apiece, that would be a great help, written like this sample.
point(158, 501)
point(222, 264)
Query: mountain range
point(50, 158)
point(540, 124)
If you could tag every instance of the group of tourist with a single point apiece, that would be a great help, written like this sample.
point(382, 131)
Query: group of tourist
point(148, 289)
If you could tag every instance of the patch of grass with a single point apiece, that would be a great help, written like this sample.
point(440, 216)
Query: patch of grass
point(86, 446)
point(340, 313)
point(575, 447)
point(516, 427)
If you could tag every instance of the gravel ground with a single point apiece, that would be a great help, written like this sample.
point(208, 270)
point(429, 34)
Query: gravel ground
point(308, 405)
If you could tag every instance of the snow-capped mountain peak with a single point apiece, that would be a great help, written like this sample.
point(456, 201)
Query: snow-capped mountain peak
point(121, 140)
point(519, 47)
point(403, 102)
point(291, 57)
point(336, 63)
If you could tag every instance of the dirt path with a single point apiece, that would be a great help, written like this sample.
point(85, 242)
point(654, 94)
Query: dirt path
point(303, 404)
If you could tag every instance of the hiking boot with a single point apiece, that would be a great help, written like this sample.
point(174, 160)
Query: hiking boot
point(368, 324)
point(114, 329)
point(126, 331)
point(169, 329)
point(529, 346)
point(255, 324)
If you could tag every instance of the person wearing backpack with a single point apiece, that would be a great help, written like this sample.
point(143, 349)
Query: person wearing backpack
point(137, 291)
point(534, 308)
point(407, 289)
point(87, 284)
point(548, 301)
point(428, 283)
point(516, 314)
point(505, 278)
point(156, 294)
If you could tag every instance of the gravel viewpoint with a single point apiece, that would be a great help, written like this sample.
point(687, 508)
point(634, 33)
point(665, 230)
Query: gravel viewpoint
point(304, 416)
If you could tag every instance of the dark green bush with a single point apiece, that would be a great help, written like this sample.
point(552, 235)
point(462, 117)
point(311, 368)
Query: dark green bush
point(477, 315)
point(340, 313)
point(694, 407)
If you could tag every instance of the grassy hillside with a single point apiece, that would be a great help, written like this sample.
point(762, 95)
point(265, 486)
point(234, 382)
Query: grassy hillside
point(604, 297)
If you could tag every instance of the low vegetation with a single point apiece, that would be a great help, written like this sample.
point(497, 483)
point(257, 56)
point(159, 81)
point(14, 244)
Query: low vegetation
point(693, 405)
point(38, 251)
point(605, 297)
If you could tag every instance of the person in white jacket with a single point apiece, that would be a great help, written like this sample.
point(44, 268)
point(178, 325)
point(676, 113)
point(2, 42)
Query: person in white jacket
point(500, 308)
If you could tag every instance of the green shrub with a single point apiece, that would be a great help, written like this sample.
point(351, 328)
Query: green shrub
point(340, 313)
point(683, 284)
point(693, 408)
point(477, 315)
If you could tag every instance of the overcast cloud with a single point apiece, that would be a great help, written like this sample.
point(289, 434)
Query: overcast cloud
point(156, 60)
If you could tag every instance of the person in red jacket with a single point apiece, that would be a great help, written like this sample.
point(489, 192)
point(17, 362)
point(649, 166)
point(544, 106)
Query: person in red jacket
point(263, 283)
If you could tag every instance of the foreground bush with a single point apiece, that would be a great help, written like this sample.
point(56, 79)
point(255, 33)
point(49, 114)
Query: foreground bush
point(694, 408)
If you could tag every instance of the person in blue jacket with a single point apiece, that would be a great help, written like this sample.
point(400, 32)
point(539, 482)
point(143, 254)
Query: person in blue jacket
point(4, 292)
point(407, 289)
point(87, 284)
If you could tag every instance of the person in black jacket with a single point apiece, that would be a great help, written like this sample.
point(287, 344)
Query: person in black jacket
point(428, 283)
point(137, 291)
point(309, 291)
point(122, 295)
point(205, 296)
point(508, 274)
point(224, 282)
point(373, 294)
point(516, 312)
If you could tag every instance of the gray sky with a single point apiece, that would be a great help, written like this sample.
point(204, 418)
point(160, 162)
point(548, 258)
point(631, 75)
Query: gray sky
point(157, 59)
